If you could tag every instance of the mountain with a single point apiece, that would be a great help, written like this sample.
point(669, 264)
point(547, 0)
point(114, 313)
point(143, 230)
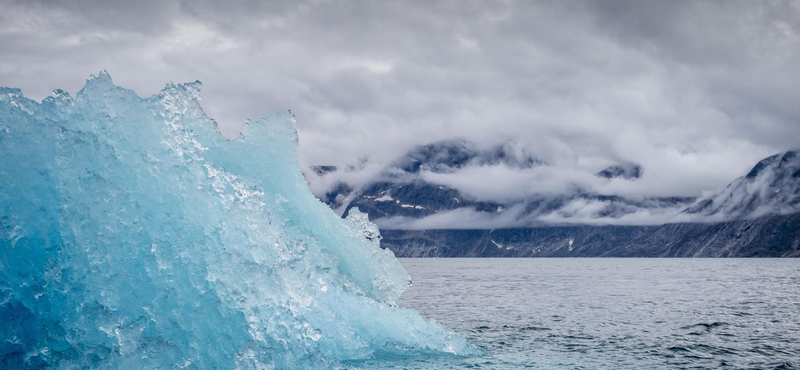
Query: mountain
point(401, 193)
point(770, 236)
point(771, 187)
point(756, 215)
point(628, 171)
point(450, 155)
point(400, 190)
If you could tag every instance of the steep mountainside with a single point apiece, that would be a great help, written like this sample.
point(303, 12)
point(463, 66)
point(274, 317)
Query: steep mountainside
point(401, 191)
point(772, 186)
point(756, 215)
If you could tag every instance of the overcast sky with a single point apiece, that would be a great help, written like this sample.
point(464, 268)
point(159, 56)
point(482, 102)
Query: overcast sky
point(694, 91)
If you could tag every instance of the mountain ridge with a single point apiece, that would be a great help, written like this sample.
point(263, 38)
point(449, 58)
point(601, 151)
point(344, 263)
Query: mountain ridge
point(771, 236)
point(747, 218)
point(401, 192)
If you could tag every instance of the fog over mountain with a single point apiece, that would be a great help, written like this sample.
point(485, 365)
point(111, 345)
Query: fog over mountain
point(693, 92)
point(756, 215)
point(455, 184)
point(771, 187)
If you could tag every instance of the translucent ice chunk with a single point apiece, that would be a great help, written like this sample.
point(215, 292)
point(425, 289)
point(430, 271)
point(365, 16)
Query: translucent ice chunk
point(133, 235)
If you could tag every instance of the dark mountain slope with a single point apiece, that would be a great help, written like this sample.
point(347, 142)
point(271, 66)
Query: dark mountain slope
point(775, 236)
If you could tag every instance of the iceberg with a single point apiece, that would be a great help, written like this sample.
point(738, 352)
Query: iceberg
point(134, 236)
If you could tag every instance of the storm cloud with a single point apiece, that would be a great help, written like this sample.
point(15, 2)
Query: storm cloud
point(695, 92)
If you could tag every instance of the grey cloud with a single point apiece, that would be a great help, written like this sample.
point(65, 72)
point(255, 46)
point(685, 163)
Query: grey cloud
point(696, 92)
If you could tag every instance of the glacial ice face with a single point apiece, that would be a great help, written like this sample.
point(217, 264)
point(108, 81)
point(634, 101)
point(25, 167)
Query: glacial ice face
point(133, 235)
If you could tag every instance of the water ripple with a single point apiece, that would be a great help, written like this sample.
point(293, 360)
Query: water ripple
point(611, 313)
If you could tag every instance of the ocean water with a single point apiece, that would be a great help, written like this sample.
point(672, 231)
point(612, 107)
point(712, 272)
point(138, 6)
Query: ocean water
point(610, 313)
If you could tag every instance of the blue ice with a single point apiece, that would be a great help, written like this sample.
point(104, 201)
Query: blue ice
point(134, 236)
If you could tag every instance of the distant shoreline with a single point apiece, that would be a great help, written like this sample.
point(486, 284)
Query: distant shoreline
point(771, 237)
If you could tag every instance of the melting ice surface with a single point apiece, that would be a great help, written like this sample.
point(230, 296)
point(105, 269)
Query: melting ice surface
point(134, 236)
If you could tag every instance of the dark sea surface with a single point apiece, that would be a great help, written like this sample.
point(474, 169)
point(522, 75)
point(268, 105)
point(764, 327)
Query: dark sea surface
point(611, 313)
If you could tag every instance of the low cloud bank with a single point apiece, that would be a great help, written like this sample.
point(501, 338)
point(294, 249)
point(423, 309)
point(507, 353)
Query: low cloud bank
point(539, 193)
point(578, 212)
